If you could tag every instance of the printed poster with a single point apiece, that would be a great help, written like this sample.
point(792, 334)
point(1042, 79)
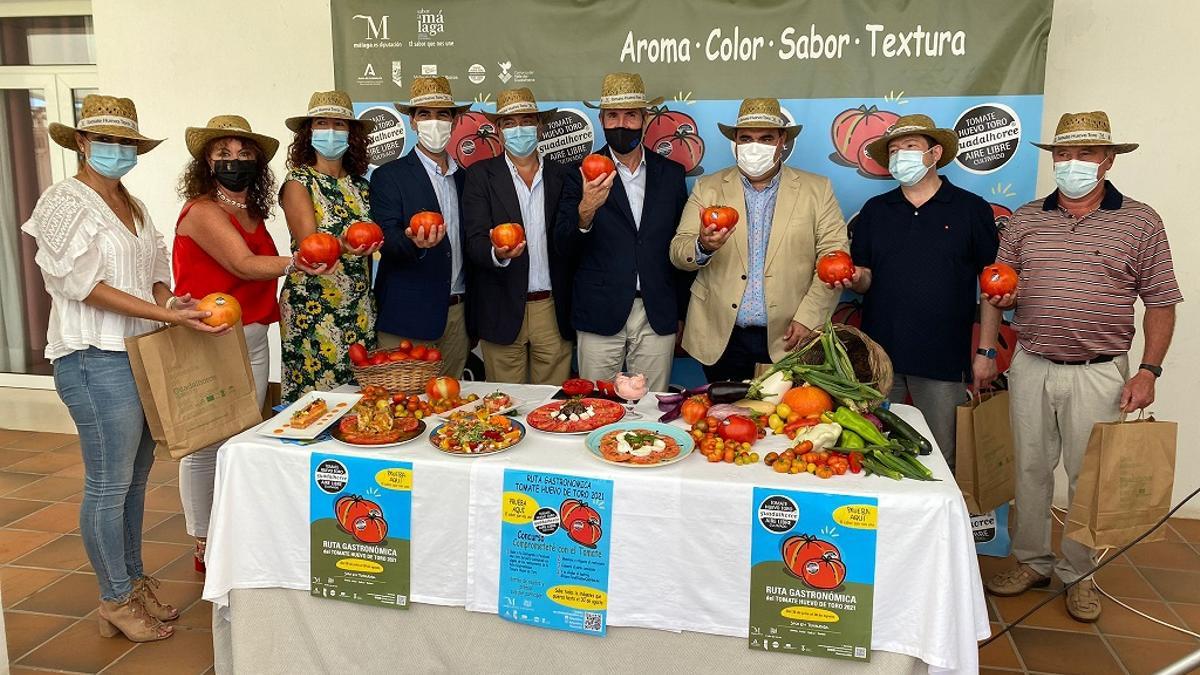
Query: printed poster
point(812, 573)
point(360, 513)
point(554, 551)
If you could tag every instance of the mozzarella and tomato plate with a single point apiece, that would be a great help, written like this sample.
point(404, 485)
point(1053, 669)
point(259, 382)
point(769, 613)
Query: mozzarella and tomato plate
point(638, 446)
point(476, 433)
point(574, 416)
point(372, 421)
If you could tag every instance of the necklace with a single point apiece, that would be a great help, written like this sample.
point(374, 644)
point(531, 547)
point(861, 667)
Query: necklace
point(237, 205)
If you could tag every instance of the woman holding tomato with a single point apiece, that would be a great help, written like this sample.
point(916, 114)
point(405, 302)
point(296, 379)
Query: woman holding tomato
point(321, 316)
point(222, 246)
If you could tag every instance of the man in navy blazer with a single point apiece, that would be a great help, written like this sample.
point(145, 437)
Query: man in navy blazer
point(626, 294)
point(421, 283)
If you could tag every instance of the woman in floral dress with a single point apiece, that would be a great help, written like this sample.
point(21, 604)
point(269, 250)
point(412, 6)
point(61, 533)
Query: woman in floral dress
point(321, 316)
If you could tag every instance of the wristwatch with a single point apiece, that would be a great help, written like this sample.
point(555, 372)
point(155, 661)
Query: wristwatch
point(989, 352)
point(1156, 371)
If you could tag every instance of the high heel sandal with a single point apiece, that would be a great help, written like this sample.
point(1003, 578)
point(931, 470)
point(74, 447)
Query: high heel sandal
point(143, 592)
point(198, 555)
point(132, 620)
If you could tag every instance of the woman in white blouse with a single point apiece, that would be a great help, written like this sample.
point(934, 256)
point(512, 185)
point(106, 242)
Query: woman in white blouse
point(107, 271)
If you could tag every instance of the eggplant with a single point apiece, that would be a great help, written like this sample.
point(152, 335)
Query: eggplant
point(727, 392)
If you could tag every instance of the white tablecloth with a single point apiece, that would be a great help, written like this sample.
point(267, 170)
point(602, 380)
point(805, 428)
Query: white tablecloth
point(680, 535)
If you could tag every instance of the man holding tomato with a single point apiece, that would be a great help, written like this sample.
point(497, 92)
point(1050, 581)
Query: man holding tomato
point(421, 284)
point(756, 298)
point(616, 229)
point(1084, 255)
point(917, 252)
point(520, 296)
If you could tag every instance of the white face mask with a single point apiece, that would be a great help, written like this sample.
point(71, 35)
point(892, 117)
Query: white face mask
point(433, 135)
point(756, 159)
point(1076, 178)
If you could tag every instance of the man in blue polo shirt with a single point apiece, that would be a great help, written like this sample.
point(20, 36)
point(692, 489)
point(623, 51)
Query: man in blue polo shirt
point(918, 251)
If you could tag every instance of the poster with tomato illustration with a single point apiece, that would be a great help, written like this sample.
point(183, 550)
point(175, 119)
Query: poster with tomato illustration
point(360, 516)
point(812, 573)
point(554, 548)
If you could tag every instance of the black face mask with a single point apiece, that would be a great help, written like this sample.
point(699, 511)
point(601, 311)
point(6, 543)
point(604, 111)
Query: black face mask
point(235, 175)
point(622, 140)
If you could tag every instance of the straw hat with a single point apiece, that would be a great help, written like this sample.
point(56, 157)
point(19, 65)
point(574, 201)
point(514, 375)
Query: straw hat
point(224, 126)
point(1088, 128)
point(106, 115)
point(760, 113)
point(910, 125)
point(623, 91)
point(431, 92)
point(332, 104)
point(518, 102)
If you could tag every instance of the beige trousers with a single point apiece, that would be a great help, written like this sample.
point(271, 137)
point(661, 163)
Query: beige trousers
point(1052, 409)
point(454, 343)
point(539, 355)
point(636, 347)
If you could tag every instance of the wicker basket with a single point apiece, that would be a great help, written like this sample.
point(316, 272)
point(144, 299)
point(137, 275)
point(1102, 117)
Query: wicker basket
point(871, 362)
point(406, 377)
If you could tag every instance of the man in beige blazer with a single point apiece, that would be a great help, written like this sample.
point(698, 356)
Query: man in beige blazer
point(757, 294)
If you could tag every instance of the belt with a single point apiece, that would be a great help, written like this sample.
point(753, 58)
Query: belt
point(537, 295)
point(1103, 358)
point(456, 299)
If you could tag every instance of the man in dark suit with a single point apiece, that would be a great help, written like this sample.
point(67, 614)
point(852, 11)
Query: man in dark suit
point(421, 284)
point(626, 294)
point(520, 295)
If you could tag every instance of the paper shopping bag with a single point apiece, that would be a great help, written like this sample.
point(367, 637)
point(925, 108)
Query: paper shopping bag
point(196, 389)
point(1124, 486)
point(984, 452)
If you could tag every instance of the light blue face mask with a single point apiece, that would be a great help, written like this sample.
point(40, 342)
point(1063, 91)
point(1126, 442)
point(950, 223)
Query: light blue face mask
point(331, 143)
point(112, 160)
point(1076, 178)
point(520, 141)
point(908, 166)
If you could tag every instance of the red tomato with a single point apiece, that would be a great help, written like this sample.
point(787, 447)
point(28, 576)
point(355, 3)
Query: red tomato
point(433, 354)
point(418, 352)
point(595, 166)
point(397, 356)
point(1001, 215)
point(379, 358)
point(574, 514)
point(998, 279)
point(320, 247)
point(868, 164)
point(363, 233)
point(824, 574)
point(370, 529)
point(695, 408)
point(350, 508)
point(474, 138)
point(507, 235)
point(835, 266)
point(854, 127)
point(672, 134)
point(423, 221)
point(738, 428)
point(440, 388)
point(578, 387)
point(405, 345)
point(358, 354)
point(606, 388)
point(585, 533)
point(720, 217)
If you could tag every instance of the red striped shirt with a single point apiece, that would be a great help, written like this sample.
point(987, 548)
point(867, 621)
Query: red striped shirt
point(1079, 277)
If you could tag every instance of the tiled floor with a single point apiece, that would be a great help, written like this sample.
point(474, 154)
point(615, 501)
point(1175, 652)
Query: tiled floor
point(47, 585)
point(50, 593)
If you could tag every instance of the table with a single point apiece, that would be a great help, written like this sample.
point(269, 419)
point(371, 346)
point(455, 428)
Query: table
point(679, 564)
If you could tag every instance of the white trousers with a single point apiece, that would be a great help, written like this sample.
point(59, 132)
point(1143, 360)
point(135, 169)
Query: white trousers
point(635, 348)
point(198, 470)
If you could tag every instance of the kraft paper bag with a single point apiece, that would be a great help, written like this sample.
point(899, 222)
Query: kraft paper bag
point(196, 389)
point(984, 461)
point(1124, 486)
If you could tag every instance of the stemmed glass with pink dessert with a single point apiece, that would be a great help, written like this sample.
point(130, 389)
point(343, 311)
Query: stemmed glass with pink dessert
point(631, 387)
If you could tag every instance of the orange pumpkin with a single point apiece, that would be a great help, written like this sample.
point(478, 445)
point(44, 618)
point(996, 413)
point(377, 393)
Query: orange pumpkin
point(222, 307)
point(807, 400)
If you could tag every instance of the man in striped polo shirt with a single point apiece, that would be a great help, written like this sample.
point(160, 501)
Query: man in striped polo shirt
point(1083, 255)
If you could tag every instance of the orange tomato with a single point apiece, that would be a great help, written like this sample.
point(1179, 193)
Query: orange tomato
point(223, 309)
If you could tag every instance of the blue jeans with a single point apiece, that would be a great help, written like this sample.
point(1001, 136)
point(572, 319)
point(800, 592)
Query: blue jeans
point(99, 390)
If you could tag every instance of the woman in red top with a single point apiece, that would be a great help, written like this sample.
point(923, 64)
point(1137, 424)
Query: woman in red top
point(222, 245)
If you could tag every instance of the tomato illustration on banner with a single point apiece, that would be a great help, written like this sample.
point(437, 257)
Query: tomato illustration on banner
point(853, 130)
point(675, 135)
point(360, 515)
point(554, 551)
point(474, 138)
point(1001, 214)
point(812, 573)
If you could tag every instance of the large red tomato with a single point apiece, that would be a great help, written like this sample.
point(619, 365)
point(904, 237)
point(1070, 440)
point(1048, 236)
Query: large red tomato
point(370, 529)
point(818, 563)
point(824, 574)
point(443, 387)
point(364, 233)
point(358, 354)
point(868, 164)
point(423, 221)
point(585, 533)
point(835, 266)
point(581, 522)
point(595, 166)
point(1001, 214)
point(852, 128)
point(349, 508)
point(222, 308)
point(695, 408)
point(998, 279)
point(474, 138)
point(507, 235)
point(718, 216)
point(577, 386)
point(320, 247)
point(738, 428)
point(673, 134)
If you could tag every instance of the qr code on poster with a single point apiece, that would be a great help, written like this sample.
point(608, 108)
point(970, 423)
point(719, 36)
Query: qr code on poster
point(592, 621)
point(860, 652)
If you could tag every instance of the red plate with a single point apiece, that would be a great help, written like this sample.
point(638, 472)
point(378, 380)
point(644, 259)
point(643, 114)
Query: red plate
point(607, 412)
point(407, 428)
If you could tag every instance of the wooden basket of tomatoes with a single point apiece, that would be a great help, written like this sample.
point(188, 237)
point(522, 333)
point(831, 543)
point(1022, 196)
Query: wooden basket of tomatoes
point(402, 369)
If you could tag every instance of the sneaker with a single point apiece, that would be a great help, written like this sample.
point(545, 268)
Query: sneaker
point(1083, 601)
point(1016, 581)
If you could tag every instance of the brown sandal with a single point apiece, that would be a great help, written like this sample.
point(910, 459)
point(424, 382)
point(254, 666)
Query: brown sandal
point(132, 620)
point(143, 591)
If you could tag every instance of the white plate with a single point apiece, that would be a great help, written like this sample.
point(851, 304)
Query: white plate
point(279, 426)
point(478, 404)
